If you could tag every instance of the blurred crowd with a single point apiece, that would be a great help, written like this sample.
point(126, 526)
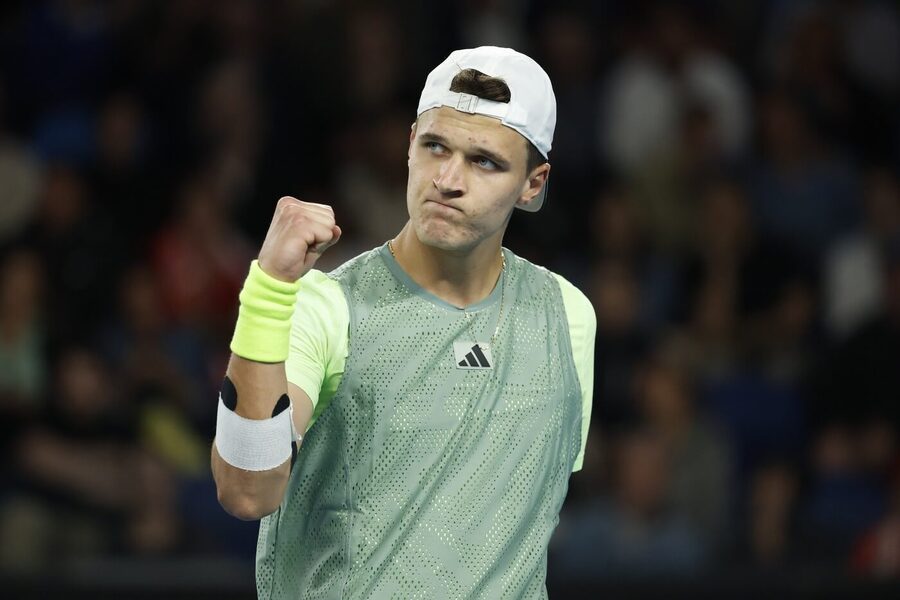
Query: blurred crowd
point(725, 187)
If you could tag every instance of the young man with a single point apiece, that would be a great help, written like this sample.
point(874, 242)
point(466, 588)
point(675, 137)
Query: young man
point(449, 381)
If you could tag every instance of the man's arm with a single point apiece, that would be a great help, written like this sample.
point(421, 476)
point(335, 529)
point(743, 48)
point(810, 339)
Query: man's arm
point(582, 334)
point(298, 235)
point(251, 495)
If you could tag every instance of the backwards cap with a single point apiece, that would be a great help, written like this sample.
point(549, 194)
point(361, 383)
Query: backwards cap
point(531, 110)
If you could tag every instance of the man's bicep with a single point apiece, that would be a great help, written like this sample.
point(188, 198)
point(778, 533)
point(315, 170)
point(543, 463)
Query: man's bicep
point(582, 333)
point(315, 333)
point(303, 407)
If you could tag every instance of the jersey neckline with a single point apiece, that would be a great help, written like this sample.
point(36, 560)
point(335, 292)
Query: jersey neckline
point(421, 292)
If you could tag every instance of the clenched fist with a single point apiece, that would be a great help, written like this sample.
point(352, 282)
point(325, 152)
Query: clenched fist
point(298, 235)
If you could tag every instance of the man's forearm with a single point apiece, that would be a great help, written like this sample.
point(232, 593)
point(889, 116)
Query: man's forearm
point(245, 494)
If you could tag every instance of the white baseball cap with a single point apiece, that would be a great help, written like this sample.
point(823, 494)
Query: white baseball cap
point(531, 110)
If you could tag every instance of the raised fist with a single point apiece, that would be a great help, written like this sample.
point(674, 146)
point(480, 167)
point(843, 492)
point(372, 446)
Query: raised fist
point(298, 235)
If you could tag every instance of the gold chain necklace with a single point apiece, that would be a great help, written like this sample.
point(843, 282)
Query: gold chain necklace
point(465, 312)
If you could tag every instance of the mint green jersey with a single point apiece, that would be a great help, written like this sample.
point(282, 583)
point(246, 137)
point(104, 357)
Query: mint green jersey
point(439, 464)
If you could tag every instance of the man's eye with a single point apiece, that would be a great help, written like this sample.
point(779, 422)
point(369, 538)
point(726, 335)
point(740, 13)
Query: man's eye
point(434, 147)
point(485, 163)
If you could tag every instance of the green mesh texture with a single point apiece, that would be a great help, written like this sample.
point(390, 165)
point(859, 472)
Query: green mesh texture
point(421, 480)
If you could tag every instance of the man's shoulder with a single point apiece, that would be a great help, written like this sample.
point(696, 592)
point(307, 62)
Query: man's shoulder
point(317, 282)
point(578, 306)
point(572, 295)
point(355, 264)
point(572, 292)
point(328, 284)
point(318, 294)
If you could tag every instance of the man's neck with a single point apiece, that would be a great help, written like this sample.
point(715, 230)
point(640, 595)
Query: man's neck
point(460, 279)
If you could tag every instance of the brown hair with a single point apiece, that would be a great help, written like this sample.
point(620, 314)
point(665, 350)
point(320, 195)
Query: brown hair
point(472, 81)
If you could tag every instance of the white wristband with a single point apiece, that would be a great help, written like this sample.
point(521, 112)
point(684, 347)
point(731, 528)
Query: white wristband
point(251, 444)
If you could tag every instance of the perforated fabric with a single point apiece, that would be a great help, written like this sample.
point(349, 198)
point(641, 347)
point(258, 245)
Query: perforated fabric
point(421, 480)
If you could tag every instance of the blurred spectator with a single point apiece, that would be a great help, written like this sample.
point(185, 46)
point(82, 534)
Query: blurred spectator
point(715, 280)
point(759, 400)
point(87, 487)
point(667, 191)
point(63, 66)
point(201, 259)
point(620, 341)
point(859, 379)
point(570, 58)
point(810, 65)
point(618, 235)
point(157, 358)
point(20, 174)
point(877, 552)
point(742, 293)
point(814, 59)
point(632, 534)
point(123, 184)
point(762, 418)
point(803, 191)
point(870, 43)
point(699, 482)
point(230, 129)
point(64, 55)
point(82, 251)
point(371, 177)
point(492, 23)
point(668, 66)
point(711, 341)
point(376, 60)
point(22, 336)
point(782, 338)
point(846, 496)
point(770, 539)
point(23, 352)
point(854, 279)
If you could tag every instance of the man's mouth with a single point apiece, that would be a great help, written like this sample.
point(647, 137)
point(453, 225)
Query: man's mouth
point(442, 203)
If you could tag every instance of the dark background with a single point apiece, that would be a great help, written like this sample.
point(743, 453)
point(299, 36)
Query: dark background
point(724, 189)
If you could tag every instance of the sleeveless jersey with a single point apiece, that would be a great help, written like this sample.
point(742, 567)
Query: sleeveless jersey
point(427, 477)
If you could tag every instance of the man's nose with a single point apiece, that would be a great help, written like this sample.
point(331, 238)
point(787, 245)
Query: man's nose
point(450, 180)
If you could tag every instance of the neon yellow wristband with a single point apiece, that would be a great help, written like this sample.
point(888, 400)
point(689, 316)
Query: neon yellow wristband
point(263, 328)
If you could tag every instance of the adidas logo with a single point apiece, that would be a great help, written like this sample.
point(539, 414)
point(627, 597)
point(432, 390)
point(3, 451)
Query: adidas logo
point(472, 356)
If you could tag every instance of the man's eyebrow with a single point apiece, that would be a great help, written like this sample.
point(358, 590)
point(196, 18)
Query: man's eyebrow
point(433, 137)
point(489, 154)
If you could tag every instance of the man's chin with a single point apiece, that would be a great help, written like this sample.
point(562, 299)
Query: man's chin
point(440, 244)
point(441, 240)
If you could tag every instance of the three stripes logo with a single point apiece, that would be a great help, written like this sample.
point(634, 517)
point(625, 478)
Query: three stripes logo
point(472, 356)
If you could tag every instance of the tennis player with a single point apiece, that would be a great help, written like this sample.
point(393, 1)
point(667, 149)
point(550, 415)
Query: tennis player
point(436, 389)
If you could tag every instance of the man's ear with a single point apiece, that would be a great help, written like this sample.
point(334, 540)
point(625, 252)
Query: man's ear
point(533, 185)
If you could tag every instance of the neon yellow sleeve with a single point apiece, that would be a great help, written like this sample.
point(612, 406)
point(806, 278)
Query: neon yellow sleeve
point(582, 331)
point(319, 339)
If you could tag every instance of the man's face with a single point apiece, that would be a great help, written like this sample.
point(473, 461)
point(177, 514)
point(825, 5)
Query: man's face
point(466, 174)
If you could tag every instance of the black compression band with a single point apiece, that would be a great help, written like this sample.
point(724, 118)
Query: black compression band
point(230, 398)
